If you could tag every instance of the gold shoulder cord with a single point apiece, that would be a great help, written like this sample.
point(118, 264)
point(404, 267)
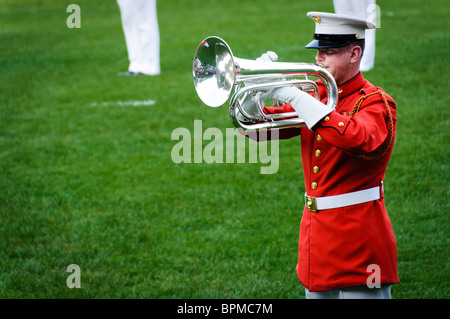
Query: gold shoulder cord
point(390, 128)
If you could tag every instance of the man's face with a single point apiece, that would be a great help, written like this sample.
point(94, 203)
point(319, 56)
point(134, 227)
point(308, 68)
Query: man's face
point(337, 61)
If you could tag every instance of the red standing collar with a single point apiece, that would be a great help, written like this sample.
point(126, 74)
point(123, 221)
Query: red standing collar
point(351, 86)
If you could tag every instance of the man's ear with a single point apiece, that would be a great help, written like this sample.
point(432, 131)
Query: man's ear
point(356, 54)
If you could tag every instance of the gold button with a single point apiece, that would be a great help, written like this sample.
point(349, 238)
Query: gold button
point(318, 153)
point(340, 91)
point(316, 169)
point(319, 138)
point(313, 185)
point(341, 124)
point(316, 19)
point(327, 118)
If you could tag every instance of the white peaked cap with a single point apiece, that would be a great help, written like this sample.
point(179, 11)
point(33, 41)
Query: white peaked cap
point(335, 30)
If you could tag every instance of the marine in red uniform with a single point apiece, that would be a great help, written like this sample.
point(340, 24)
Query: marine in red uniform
point(347, 247)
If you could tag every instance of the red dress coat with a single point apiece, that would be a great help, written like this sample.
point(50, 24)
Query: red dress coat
point(337, 246)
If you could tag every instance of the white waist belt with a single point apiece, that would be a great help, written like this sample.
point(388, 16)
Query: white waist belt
point(348, 199)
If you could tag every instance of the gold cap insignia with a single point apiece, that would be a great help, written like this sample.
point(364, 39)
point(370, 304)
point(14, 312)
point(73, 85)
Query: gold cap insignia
point(317, 19)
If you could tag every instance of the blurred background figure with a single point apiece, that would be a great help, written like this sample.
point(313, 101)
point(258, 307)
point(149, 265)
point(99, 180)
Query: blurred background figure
point(140, 26)
point(364, 9)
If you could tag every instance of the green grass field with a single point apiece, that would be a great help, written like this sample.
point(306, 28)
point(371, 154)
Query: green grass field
point(90, 181)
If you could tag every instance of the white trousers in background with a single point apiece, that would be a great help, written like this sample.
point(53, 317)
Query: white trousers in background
point(357, 292)
point(364, 9)
point(140, 27)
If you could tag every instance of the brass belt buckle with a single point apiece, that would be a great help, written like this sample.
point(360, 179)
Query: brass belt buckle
point(310, 203)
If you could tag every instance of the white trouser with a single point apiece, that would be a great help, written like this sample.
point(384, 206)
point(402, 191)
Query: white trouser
point(140, 27)
point(364, 9)
point(357, 292)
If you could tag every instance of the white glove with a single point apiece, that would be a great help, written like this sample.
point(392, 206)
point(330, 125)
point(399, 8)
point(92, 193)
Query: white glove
point(307, 107)
point(269, 56)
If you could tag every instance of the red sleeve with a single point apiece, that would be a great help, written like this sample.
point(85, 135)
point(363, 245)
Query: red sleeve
point(286, 108)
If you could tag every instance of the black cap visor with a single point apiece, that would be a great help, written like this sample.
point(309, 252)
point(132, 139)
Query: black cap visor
point(326, 41)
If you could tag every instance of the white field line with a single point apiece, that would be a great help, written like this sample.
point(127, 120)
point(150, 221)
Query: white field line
point(124, 103)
